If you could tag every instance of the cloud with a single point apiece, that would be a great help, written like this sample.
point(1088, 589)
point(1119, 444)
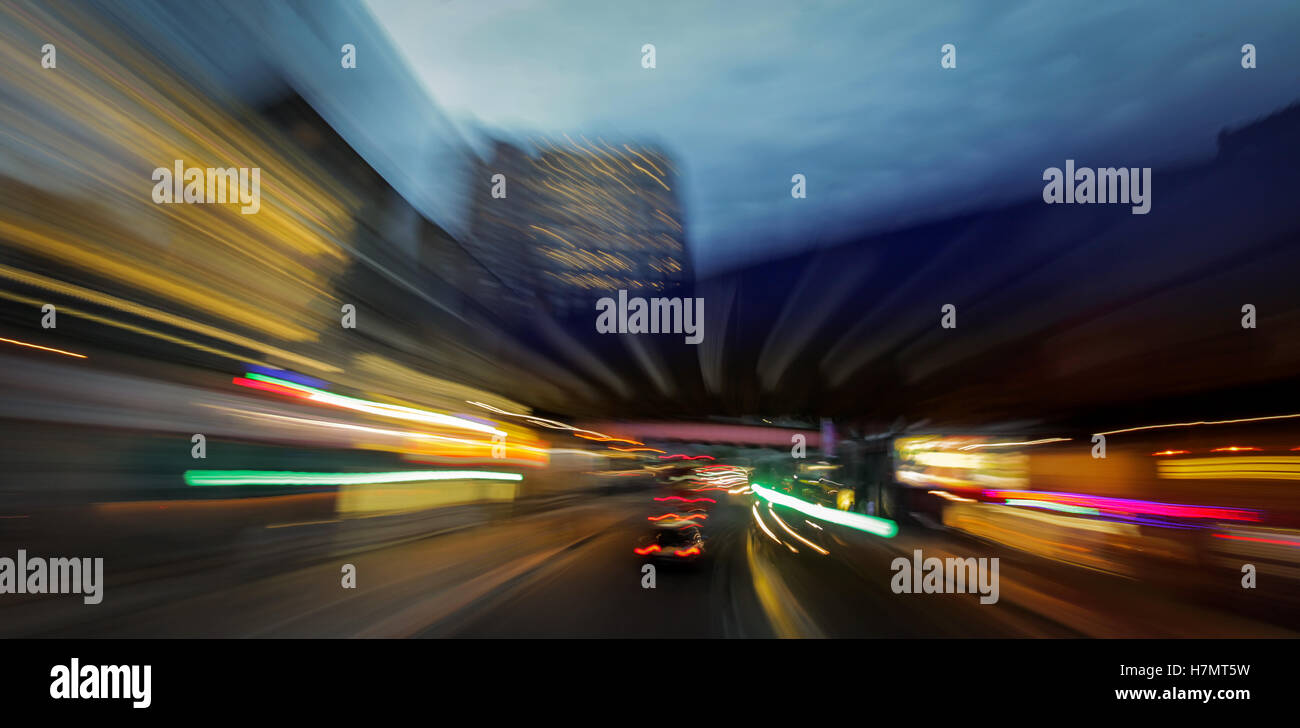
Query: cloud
point(852, 95)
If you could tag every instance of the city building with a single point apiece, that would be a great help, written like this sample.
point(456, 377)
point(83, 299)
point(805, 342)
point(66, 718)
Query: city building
point(579, 219)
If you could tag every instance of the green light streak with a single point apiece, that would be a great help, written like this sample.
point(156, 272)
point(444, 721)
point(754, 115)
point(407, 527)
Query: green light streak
point(1053, 506)
point(870, 524)
point(286, 477)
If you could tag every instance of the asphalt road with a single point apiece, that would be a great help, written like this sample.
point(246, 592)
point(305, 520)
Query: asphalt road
point(568, 570)
point(595, 588)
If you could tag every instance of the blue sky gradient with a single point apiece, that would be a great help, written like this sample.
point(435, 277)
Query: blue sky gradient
point(852, 95)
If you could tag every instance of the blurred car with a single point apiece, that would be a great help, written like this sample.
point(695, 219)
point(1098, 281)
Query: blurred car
point(673, 544)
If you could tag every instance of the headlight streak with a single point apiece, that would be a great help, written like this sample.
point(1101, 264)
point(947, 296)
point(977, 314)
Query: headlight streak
point(604, 438)
point(554, 424)
point(135, 309)
point(978, 446)
point(43, 348)
point(71, 311)
point(358, 428)
point(790, 531)
point(485, 445)
point(764, 525)
point(1199, 423)
point(378, 408)
point(279, 477)
point(949, 496)
point(721, 477)
point(882, 527)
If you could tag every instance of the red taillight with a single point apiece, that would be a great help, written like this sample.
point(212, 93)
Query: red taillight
point(692, 551)
point(652, 548)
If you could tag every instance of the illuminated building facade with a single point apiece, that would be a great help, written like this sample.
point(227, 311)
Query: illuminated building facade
point(580, 219)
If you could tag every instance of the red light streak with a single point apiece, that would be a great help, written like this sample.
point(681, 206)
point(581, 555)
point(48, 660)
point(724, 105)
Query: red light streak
point(1258, 540)
point(1124, 505)
point(269, 387)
